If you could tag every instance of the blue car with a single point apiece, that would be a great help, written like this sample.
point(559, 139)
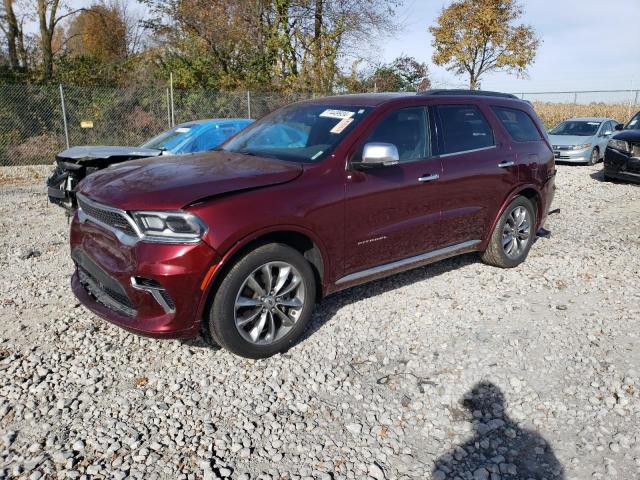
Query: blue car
point(196, 136)
point(75, 163)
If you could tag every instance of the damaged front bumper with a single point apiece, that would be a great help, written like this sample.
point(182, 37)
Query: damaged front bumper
point(621, 166)
point(62, 183)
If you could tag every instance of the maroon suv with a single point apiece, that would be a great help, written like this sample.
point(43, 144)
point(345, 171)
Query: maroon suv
point(316, 197)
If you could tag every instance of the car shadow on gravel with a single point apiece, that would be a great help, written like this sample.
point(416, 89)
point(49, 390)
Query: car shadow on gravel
point(329, 307)
point(599, 176)
point(499, 447)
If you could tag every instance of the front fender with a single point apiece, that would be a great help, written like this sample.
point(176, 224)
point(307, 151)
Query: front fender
point(218, 267)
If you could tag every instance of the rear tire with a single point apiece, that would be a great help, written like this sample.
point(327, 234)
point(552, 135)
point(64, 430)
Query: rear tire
point(264, 302)
point(513, 235)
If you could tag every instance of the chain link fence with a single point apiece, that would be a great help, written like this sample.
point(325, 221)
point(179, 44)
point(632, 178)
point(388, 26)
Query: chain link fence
point(36, 122)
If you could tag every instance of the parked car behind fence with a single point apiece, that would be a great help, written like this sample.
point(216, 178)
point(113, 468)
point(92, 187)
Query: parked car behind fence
point(75, 163)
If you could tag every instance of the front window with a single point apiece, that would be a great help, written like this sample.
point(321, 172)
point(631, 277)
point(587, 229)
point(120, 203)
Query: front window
point(577, 128)
point(300, 132)
point(171, 138)
point(634, 123)
point(407, 130)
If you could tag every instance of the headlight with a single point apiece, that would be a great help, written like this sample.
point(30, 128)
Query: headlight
point(580, 147)
point(619, 145)
point(170, 227)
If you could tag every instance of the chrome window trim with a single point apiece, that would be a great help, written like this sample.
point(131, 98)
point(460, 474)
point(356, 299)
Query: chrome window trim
point(463, 152)
point(407, 261)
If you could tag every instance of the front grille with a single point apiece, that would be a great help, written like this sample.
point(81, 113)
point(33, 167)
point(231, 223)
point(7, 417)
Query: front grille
point(105, 289)
point(104, 295)
point(108, 217)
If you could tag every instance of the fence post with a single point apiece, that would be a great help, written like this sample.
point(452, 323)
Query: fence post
point(575, 103)
point(635, 102)
point(173, 114)
point(64, 116)
point(168, 109)
point(248, 104)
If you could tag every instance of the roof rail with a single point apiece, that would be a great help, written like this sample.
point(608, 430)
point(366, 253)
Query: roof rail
point(462, 92)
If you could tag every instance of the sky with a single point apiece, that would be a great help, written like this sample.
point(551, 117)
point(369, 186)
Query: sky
point(586, 45)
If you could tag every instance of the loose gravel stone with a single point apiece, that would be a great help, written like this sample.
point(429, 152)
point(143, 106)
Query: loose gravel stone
point(382, 385)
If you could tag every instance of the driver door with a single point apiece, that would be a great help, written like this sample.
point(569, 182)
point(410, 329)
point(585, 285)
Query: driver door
point(393, 212)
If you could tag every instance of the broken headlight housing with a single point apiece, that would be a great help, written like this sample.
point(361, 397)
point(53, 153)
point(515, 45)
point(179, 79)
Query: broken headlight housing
point(169, 227)
point(619, 145)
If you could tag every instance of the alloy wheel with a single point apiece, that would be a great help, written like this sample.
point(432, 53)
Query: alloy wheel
point(516, 232)
point(269, 303)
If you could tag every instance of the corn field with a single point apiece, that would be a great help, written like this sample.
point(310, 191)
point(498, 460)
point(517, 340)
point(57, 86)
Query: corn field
point(553, 113)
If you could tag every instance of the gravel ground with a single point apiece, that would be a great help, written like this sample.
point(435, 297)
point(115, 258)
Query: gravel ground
point(453, 369)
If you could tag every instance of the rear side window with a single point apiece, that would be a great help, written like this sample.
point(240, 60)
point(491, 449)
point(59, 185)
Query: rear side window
point(463, 128)
point(518, 124)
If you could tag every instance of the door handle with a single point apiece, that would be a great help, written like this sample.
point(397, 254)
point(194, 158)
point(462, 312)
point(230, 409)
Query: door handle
point(509, 163)
point(429, 178)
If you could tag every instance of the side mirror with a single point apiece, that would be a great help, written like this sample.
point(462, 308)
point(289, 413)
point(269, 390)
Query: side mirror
point(619, 126)
point(377, 154)
point(607, 133)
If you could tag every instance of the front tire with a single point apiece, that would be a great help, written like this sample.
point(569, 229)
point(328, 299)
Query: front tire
point(264, 302)
point(595, 156)
point(512, 236)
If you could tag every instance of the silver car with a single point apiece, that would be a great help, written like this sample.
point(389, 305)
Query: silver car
point(582, 140)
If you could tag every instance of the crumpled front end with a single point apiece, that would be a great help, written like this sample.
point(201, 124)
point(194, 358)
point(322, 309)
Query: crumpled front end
point(74, 164)
point(148, 288)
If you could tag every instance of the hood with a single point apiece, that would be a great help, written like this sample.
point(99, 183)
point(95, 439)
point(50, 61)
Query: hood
point(93, 152)
point(569, 139)
point(171, 183)
point(628, 135)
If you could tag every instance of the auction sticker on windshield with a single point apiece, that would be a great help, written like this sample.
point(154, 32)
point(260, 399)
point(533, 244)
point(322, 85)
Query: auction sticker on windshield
point(340, 114)
point(341, 125)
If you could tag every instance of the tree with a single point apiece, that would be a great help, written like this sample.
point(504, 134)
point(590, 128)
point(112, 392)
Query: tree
point(404, 74)
point(474, 37)
point(49, 17)
point(99, 31)
point(266, 44)
point(13, 31)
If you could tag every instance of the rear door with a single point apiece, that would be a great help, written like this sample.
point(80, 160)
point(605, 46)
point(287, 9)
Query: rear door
point(479, 168)
point(393, 212)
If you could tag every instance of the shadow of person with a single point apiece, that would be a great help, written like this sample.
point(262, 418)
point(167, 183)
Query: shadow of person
point(500, 449)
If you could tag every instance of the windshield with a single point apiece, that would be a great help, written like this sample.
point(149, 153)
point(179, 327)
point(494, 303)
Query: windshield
point(634, 123)
point(171, 138)
point(574, 127)
point(299, 132)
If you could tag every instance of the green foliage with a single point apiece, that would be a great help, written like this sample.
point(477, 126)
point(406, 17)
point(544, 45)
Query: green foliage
point(404, 74)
